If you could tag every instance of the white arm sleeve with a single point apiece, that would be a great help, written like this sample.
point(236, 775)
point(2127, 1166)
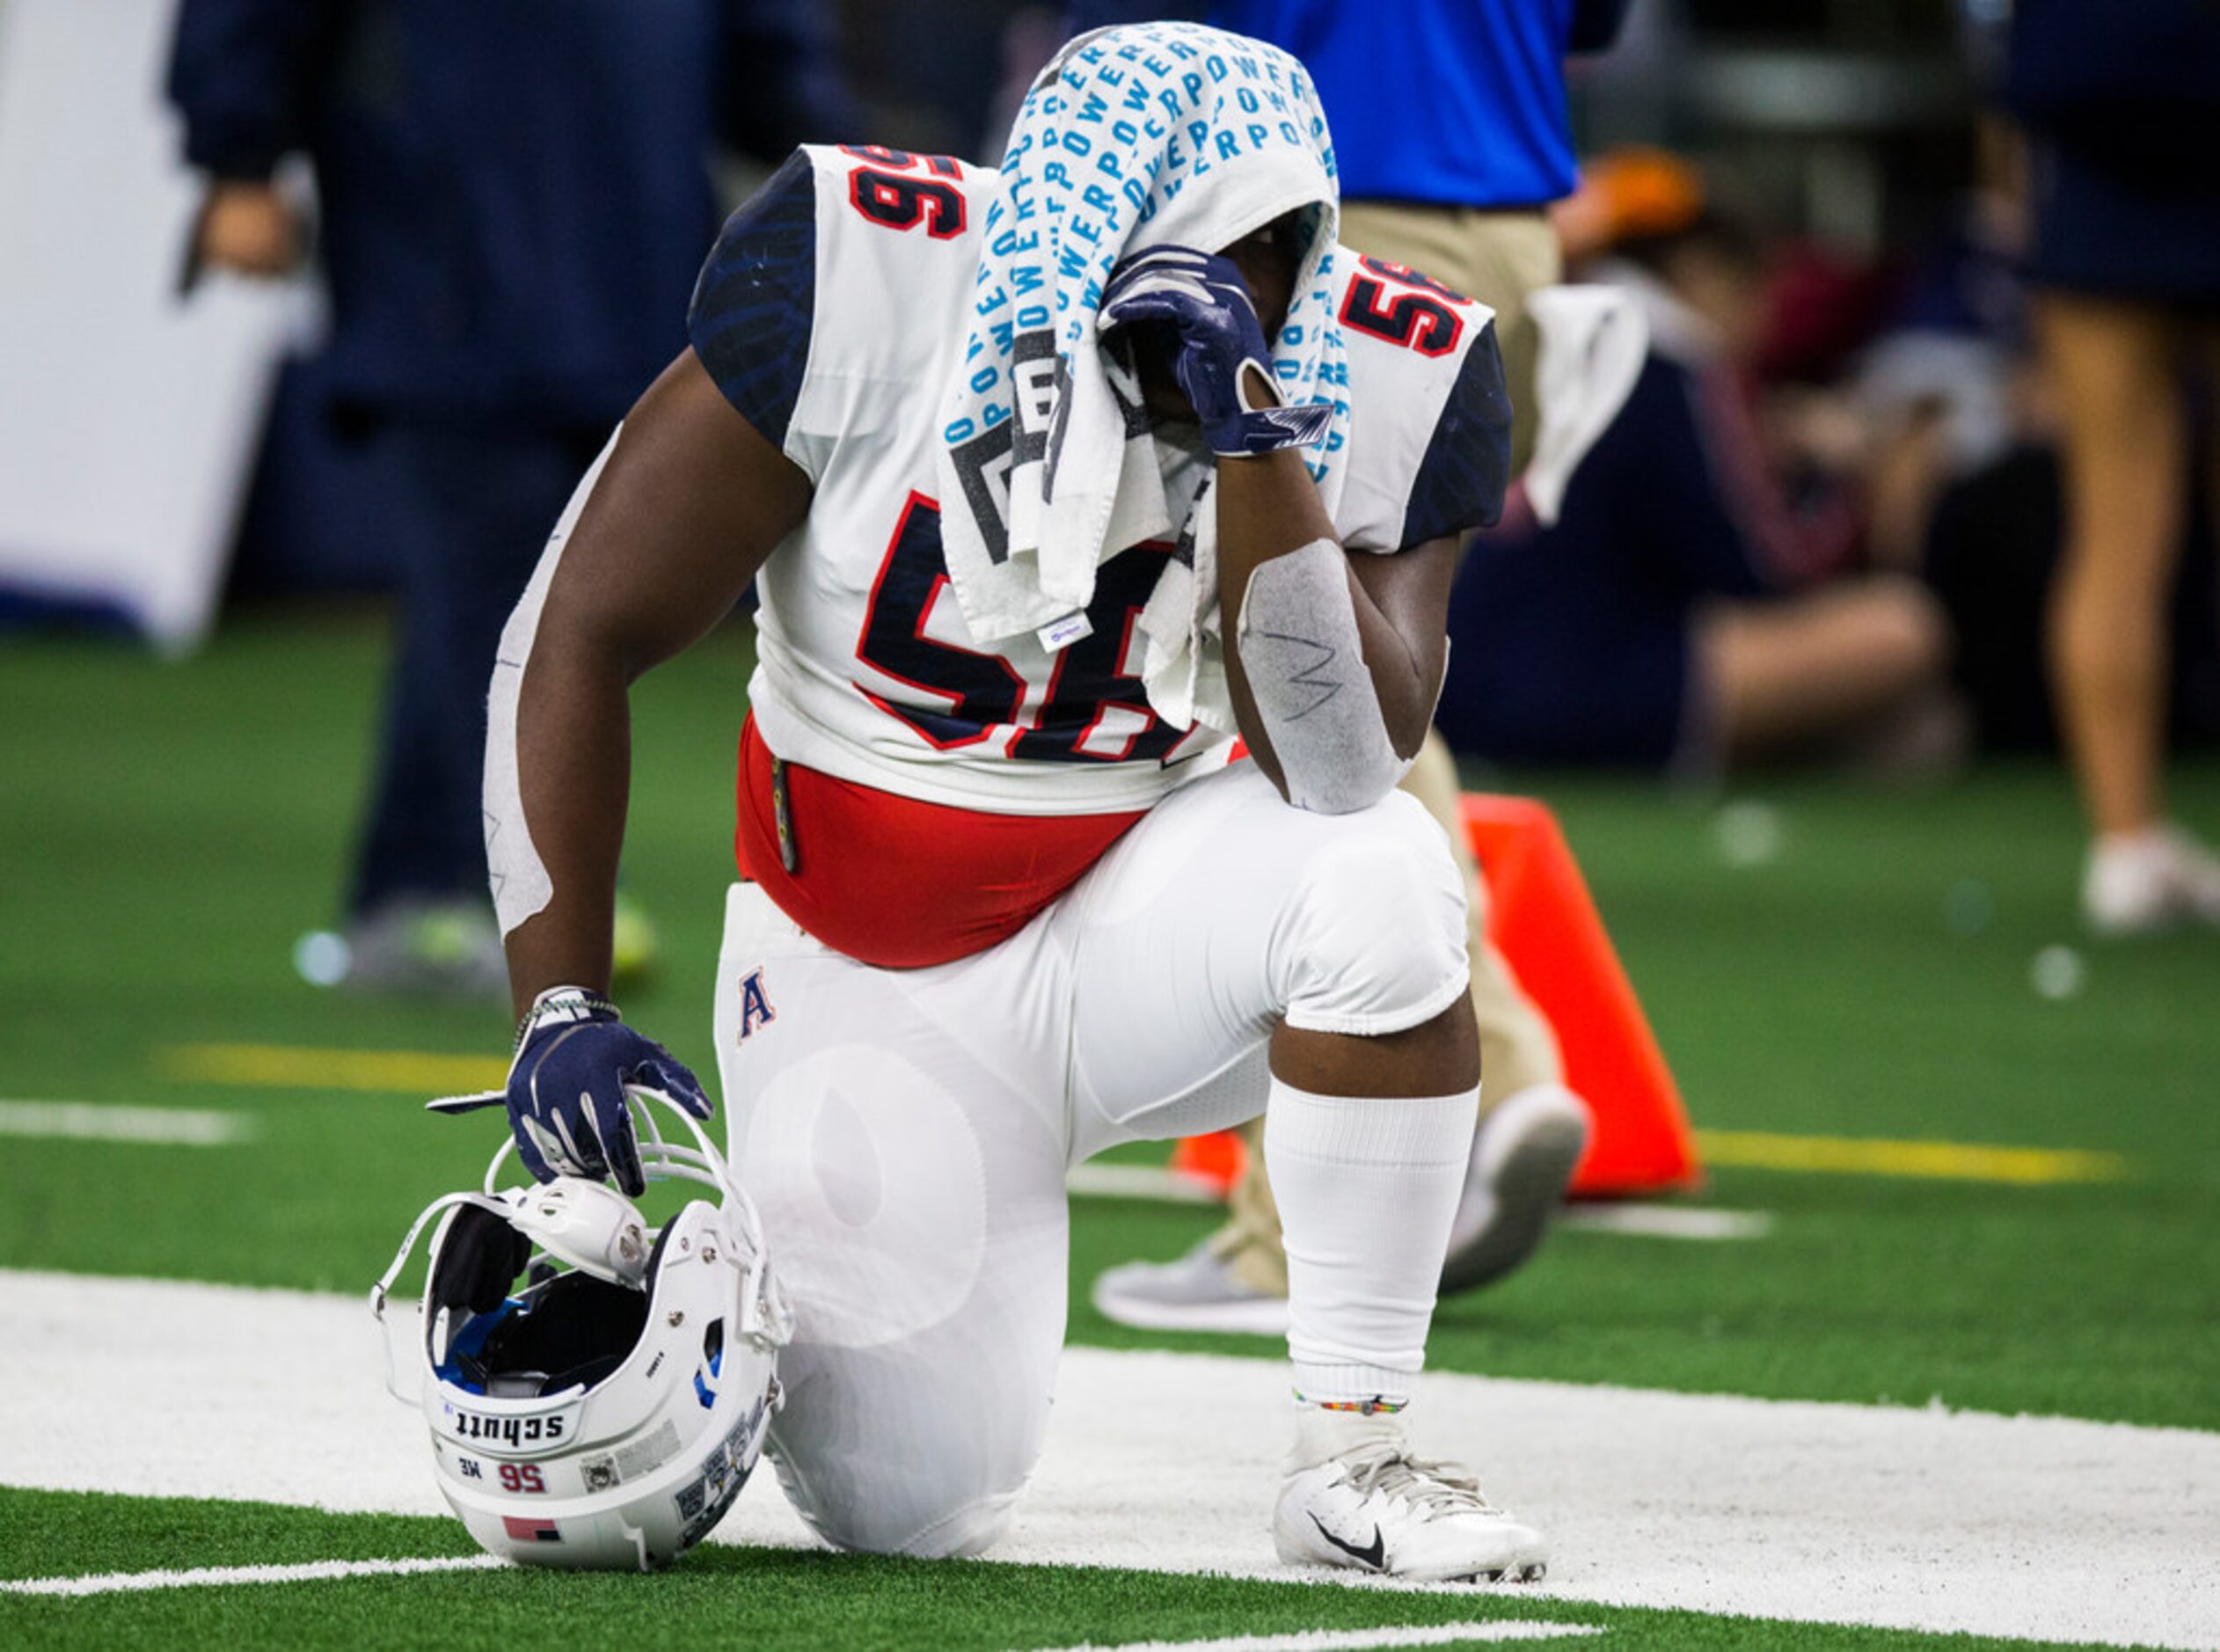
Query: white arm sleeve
point(1305, 660)
point(519, 879)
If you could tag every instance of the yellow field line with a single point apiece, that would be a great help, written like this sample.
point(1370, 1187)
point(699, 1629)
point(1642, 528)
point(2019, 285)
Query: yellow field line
point(291, 1067)
point(288, 1067)
point(1949, 1161)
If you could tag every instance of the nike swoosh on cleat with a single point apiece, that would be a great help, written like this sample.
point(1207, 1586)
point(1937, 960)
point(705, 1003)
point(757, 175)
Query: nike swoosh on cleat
point(1374, 1556)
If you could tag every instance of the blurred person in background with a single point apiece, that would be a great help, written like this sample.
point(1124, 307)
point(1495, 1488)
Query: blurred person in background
point(513, 199)
point(1452, 136)
point(2121, 107)
point(1688, 611)
point(1955, 386)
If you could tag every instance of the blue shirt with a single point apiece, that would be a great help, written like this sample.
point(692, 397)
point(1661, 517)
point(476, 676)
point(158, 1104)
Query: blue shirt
point(1448, 102)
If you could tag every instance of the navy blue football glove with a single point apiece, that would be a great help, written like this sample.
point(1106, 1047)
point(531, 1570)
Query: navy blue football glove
point(1203, 297)
point(575, 1060)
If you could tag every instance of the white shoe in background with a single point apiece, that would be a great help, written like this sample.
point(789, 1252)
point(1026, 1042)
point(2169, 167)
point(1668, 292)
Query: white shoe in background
point(2136, 883)
point(1198, 1291)
point(1523, 1155)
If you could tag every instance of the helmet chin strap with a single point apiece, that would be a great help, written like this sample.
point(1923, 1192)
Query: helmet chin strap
point(588, 1224)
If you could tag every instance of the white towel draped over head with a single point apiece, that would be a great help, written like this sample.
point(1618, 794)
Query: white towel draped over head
point(1137, 136)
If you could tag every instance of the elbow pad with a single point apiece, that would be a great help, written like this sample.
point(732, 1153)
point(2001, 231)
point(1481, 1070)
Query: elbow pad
point(520, 886)
point(1301, 654)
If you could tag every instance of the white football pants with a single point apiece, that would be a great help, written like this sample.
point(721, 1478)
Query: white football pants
point(905, 1133)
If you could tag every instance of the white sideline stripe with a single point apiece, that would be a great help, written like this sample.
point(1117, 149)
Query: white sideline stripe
point(1348, 1640)
point(2034, 1528)
point(207, 1576)
point(1138, 1181)
point(106, 1122)
point(1669, 1221)
point(1648, 1221)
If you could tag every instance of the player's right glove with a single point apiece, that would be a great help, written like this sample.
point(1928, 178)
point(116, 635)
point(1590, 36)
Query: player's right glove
point(575, 1062)
point(1202, 296)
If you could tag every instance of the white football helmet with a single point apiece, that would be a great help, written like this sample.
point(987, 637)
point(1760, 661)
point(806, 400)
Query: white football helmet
point(606, 1414)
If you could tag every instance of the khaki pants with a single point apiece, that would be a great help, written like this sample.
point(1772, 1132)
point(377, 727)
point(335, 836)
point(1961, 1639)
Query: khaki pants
point(1497, 258)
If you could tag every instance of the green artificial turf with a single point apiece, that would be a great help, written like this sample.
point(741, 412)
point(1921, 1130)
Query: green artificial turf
point(717, 1596)
point(169, 830)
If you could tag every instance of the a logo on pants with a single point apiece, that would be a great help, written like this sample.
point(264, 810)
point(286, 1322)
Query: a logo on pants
point(755, 1005)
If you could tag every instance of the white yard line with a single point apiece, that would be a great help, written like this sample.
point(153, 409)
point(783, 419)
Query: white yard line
point(2030, 1527)
point(1669, 1221)
point(207, 1576)
point(1350, 1640)
point(1161, 1186)
point(106, 1122)
point(1152, 1182)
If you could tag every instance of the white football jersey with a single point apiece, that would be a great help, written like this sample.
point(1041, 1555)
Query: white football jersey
point(831, 314)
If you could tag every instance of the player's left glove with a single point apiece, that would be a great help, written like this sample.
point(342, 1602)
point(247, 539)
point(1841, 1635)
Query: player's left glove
point(575, 1063)
point(1203, 297)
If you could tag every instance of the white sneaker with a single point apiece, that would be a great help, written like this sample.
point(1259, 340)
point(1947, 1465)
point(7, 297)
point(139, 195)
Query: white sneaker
point(1523, 1155)
point(2138, 883)
point(1198, 1292)
point(1355, 1496)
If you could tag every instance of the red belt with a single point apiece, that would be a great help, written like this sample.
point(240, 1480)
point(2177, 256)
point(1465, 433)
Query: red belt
point(895, 881)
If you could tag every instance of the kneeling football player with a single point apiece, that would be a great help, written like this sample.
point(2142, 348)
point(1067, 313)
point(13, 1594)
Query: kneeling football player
point(1103, 512)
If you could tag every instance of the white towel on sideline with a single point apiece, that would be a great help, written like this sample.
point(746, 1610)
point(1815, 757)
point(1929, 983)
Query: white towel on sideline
point(1593, 341)
point(1155, 134)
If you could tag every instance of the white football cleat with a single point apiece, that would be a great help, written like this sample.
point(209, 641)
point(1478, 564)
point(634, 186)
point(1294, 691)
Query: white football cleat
point(1371, 1506)
point(2136, 883)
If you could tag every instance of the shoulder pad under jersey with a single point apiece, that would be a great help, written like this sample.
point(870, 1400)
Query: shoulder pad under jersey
point(1430, 420)
point(851, 263)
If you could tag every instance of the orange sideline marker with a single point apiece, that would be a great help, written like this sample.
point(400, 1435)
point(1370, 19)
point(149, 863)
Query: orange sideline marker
point(1543, 920)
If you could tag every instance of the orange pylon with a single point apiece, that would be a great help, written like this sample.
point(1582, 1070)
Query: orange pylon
point(1544, 921)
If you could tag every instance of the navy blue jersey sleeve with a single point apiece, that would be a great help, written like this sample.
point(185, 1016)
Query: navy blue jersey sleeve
point(1468, 461)
point(756, 301)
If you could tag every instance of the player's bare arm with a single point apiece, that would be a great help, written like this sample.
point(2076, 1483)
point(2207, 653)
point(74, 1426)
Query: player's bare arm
point(659, 540)
point(690, 503)
point(1267, 507)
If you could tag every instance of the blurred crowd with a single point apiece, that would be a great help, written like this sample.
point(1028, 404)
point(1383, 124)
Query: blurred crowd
point(1881, 506)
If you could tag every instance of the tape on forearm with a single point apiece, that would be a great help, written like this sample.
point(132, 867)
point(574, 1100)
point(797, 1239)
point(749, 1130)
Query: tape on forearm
point(519, 878)
point(1304, 660)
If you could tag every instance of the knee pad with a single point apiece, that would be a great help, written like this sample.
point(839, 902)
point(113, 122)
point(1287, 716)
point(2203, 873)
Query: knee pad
point(1373, 939)
point(962, 1534)
point(963, 1522)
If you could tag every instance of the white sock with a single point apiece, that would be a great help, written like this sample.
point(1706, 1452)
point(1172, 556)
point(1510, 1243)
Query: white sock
point(1320, 1434)
point(1366, 1187)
